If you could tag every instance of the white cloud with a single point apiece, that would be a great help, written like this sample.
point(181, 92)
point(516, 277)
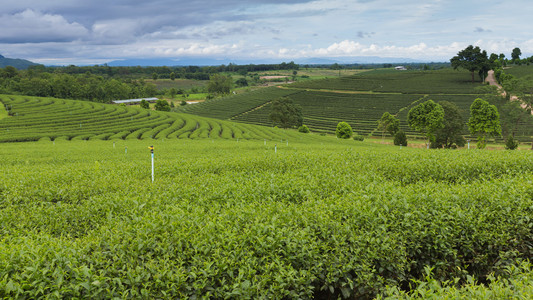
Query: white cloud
point(32, 26)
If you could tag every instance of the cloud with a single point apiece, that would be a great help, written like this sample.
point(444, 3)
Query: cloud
point(479, 29)
point(362, 34)
point(35, 27)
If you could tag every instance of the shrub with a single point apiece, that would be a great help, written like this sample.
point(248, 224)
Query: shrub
point(358, 137)
point(400, 139)
point(344, 130)
point(303, 129)
point(511, 143)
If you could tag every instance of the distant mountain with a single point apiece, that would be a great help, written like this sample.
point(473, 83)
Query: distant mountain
point(20, 64)
point(193, 61)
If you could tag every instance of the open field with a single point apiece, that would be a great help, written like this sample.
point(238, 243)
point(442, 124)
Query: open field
point(520, 71)
point(316, 219)
point(177, 83)
point(58, 119)
point(313, 73)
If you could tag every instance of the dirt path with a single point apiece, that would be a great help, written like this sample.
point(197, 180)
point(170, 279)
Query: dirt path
point(491, 79)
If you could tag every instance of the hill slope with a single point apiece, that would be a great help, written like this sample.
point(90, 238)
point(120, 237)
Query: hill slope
point(20, 64)
point(359, 99)
point(35, 118)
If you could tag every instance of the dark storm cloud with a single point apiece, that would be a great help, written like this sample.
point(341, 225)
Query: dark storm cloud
point(120, 21)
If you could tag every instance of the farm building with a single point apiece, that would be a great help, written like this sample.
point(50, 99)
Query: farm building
point(400, 68)
point(134, 101)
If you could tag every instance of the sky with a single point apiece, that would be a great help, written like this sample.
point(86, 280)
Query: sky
point(81, 32)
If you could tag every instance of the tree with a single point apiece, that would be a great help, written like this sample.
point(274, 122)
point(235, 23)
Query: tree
point(285, 113)
point(344, 130)
point(219, 84)
point(426, 118)
point(144, 104)
point(241, 82)
point(472, 59)
point(162, 105)
point(388, 123)
point(172, 76)
point(511, 143)
point(400, 139)
point(484, 120)
point(515, 55)
point(172, 92)
point(451, 134)
point(155, 76)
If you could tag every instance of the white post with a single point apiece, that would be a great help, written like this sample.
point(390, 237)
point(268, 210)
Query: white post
point(113, 144)
point(276, 148)
point(152, 152)
point(264, 142)
point(287, 142)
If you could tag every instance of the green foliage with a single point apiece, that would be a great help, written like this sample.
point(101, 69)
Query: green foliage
point(400, 138)
point(285, 113)
point(303, 129)
point(515, 55)
point(484, 121)
point(344, 130)
point(162, 105)
point(81, 86)
point(511, 143)
point(241, 82)
point(317, 220)
point(389, 123)
point(445, 81)
point(358, 137)
point(144, 104)
point(35, 118)
point(471, 59)
point(451, 135)
point(219, 84)
point(427, 117)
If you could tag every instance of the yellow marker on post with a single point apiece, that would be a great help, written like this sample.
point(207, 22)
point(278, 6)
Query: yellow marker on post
point(152, 152)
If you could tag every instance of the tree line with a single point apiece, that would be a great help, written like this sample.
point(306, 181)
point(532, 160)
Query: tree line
point(86, 86)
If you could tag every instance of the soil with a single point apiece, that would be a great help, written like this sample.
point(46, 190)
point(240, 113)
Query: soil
point(492, 81)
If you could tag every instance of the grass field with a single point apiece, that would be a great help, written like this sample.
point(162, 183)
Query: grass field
point(317, 218)
point(177, 83)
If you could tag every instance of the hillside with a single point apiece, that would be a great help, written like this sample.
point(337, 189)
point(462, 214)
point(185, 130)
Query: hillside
point(358, 99)
point(20, 64)
point(35, 118)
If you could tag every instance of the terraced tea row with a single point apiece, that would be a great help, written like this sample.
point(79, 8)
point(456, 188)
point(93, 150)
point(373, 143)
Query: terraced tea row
point(34, 118)
point(227, 107)
point(445, 81)
point(359, 100)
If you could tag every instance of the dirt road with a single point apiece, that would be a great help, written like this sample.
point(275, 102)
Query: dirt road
point(491, 79)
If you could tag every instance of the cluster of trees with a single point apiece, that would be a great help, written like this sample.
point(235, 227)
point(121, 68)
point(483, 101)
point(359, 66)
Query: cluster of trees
point(475, 60)
point(443, 125)
point(187, 72)
point(83, 86)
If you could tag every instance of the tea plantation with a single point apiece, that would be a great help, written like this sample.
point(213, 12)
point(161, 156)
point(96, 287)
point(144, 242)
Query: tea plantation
point(36, 118)
point(359, 99)
point(317, 218)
